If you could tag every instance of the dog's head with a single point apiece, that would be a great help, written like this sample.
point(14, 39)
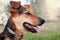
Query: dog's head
point(24, 18)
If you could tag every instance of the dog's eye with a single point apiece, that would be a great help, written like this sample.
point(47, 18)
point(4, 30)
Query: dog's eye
point(28, 13)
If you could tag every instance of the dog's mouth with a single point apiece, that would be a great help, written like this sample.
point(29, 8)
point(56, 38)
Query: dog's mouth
point(30, 27)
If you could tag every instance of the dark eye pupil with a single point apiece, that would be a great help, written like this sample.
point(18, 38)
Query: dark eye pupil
point(28, 13)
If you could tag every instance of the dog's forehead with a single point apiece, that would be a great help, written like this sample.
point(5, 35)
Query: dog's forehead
point(28, 9)
point(23, 9)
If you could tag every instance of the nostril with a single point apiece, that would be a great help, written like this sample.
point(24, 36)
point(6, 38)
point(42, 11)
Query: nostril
point(42, 20)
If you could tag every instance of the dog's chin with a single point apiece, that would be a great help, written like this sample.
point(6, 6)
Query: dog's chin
point(31, 28)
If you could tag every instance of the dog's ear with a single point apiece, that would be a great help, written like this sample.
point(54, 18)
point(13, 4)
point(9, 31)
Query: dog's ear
point(29, 8)
point(15, 4)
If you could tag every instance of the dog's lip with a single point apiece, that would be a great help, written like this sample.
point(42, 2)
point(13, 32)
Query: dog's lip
point(32, 27)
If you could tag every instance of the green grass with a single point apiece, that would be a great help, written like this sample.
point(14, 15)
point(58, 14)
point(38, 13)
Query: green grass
point(44, 35)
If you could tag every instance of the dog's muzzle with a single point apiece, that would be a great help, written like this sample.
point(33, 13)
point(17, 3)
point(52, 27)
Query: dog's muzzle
point(33, 28)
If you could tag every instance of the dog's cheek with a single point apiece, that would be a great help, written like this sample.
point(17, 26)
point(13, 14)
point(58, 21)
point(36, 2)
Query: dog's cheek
point(19, 24)
point(20, 28)
point(25, 19)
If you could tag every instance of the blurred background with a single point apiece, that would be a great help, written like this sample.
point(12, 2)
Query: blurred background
point(47, 9)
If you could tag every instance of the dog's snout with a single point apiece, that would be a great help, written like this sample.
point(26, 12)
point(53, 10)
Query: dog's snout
point(42, 21)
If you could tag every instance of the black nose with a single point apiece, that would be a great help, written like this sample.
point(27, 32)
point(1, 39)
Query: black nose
point(42, 21)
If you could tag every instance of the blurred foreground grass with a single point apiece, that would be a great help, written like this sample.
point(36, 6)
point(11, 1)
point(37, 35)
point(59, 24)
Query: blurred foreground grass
point(44, 35)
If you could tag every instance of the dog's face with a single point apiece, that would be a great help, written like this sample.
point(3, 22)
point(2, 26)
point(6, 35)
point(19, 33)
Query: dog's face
point(24, 18)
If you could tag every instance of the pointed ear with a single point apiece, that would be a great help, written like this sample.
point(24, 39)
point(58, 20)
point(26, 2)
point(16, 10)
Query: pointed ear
point(15, 4)
point(29, 7)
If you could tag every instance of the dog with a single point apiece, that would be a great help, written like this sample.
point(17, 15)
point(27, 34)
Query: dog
point(22, 19)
